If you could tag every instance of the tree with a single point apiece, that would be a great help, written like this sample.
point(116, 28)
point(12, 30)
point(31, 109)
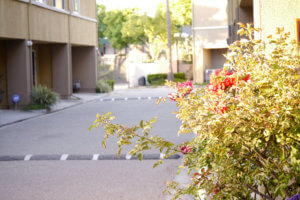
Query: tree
point(125, 27)
point(181, 12)
point(114, 21)
point(135, 28)
point(170, 74)
point(101, 10)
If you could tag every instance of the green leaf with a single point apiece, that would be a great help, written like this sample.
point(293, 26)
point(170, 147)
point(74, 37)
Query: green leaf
point(104, 144)
point(140, 157)
point(142, 124)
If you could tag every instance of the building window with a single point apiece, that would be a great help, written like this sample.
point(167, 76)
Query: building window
point(41, 1)
point(59, 4)
point(76, 6)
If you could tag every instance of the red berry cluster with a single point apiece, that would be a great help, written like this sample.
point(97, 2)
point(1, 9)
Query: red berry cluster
point(183, 89)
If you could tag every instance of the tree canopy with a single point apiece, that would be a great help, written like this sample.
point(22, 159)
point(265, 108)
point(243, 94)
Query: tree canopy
point(125, 27)
point(114, 21)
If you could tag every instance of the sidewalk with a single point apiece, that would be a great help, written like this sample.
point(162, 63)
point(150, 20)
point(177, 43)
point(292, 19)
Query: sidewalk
point(12, 116)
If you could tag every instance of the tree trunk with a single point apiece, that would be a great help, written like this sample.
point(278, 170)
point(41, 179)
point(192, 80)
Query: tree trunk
point(170, 75)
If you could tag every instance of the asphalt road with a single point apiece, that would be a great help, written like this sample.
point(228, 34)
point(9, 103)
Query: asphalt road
point(66, 133)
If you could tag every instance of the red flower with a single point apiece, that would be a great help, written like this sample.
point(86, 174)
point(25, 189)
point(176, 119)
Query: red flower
point(217, 72)
point(247, 77)
point(172, 97)
point(223, 110)
point(185, 149)
point(186, 86)
point(227, 73)
point(183, 89)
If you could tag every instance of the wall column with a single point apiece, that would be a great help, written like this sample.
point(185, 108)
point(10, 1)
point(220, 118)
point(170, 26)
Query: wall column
point(84, 61)
point(198, 64)
point(19, 74)
point(62, 70)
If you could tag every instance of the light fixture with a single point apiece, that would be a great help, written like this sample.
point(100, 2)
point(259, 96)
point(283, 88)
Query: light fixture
point(29, 43)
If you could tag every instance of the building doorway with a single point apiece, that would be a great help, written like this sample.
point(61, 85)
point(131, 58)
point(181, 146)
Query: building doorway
point(34, 67)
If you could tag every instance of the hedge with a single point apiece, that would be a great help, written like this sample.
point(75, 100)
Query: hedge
point(159, 79)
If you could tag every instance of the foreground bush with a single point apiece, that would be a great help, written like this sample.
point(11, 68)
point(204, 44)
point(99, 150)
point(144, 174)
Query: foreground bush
point(246, 124)
point(43, 96)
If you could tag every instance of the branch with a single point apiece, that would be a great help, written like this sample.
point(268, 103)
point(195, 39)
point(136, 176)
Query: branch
point(267, 189)
point(258, 192)
point(263, 161)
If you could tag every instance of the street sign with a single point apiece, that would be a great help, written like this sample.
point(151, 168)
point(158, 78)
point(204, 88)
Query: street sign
point(15, 98)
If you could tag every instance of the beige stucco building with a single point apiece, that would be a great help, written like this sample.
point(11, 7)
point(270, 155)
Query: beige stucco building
point(266, 15)
point(48, 42)
point(210, 33)
point(215, 26)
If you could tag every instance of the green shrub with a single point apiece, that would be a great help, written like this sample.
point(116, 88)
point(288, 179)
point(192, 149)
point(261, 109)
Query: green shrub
point(179, 76)
point(245, 123)
point(159, 79)
point(111, 83)
point(33, 107)
point(103, 87)
point(179, 80)
point(155, 79)
point(43, 96)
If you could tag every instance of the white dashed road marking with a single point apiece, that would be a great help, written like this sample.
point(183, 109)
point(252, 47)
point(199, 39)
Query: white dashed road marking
point(64, 157)
point(95, 157)
point(27, 157)
point(128, 157)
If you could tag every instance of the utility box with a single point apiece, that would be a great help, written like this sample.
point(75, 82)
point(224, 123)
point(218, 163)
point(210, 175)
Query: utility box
point(142, 81)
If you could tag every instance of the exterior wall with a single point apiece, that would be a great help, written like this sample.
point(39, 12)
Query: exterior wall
point(47, 25)
point(18, 71)
point(83, 32)
point(217, 58)
point(206, 59)
point(87, 8)
point(13, 19)
point(286, 14)
point(43, 65)
point(3, 81)
point(84, 60)
point(62, 69)
point(43, 22)
point(238, 11)
point(210, 31)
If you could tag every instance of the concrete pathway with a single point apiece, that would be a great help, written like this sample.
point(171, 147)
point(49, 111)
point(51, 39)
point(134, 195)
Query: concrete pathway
point(12, 116)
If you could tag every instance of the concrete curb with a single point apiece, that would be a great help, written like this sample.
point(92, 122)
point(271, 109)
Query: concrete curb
point(86, 157)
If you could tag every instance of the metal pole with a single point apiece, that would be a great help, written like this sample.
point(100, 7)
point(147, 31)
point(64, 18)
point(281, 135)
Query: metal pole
point(170, 75)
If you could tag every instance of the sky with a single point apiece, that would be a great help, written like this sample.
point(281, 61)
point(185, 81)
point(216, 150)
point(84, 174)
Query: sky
point(148, 6)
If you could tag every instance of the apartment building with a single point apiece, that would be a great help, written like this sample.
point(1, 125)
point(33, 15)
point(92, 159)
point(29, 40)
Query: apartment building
point(210, 33)
point(266, 15)
point(215, 26)
point(47, 42)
